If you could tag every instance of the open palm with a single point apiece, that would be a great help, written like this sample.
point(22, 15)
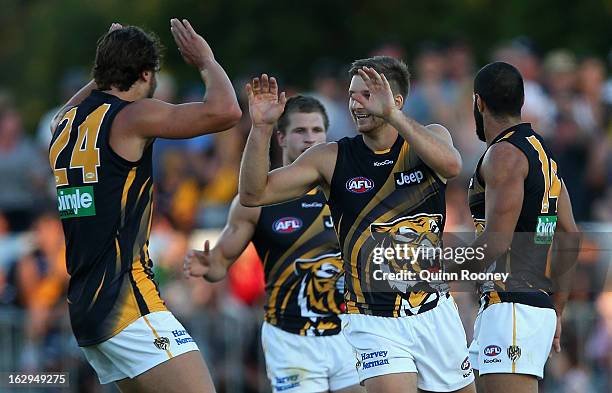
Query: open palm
point(380, 102)
point(265, 104)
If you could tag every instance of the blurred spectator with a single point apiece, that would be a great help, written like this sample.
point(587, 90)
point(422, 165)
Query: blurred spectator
point(537, 108)
point(432, 96)
point(330, 86)
point(71, 82)
point(23, 172)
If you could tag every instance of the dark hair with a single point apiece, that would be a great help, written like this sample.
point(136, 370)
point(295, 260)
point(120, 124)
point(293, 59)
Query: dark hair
point(301, 104)
point(394, 70)
point(123, 55)
point(500, 85)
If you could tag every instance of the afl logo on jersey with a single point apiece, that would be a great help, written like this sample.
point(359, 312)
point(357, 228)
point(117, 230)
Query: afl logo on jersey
point(287, 225)
point(359, 185)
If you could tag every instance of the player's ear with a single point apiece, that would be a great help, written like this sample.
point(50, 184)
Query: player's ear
point(146, 76)
point(399, 101)
point(480, 104)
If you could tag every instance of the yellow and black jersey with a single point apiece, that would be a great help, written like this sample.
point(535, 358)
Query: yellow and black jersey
point(387, 200)
point(303, 269)
point(526, 260)
point(105, 205)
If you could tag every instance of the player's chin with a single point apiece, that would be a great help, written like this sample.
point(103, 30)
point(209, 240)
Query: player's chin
point(365, 127)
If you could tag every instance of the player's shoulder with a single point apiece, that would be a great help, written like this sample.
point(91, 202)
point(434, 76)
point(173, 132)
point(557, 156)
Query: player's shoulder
point(504, 159)
point(322, 151)
point(436, 127)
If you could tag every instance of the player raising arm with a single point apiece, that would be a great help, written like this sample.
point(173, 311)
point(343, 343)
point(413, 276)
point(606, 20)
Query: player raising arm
point(101, 156)
point(385, 188)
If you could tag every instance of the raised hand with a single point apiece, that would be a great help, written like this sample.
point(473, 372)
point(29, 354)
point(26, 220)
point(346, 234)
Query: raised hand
point(380, 102)
point(197, 263)
point(194, 49)
point(265, 104)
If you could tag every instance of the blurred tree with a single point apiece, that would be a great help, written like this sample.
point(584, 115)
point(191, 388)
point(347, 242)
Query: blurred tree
point(40, 40)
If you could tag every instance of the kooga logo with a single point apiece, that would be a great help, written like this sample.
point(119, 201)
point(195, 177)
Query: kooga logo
point(287, 225)
point(359, 185)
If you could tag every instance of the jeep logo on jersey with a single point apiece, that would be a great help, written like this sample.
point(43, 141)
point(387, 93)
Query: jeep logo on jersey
point(545, 229)
point(407, 178)
point(287, 225)
point(76, 202)
point(492, 350)
point(328, 222)
point(359, 185)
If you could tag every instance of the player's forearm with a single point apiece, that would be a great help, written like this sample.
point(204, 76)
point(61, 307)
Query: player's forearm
point(566, 246)
point(220, 97)
point(76, 99)
point(431, 148)
point(493, 246)
point(255, 166)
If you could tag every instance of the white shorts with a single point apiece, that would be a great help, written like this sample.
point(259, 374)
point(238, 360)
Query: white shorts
point(307, 364)
point(431, 344)
point(148, 341)
point(512, 338)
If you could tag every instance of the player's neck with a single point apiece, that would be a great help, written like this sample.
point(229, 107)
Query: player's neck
point(129, 95)
point(381, 138)
point(495, 126)
point(286, 159)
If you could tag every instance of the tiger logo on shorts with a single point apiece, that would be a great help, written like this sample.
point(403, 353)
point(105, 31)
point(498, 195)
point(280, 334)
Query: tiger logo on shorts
point(321, 285)
point(162, 343)
point(417, 231)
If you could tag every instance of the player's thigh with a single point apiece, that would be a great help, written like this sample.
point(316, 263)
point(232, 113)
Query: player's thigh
point(471, 388)
point(186, 373)
point(392, 383)
point(351, 389)
point(509, 383)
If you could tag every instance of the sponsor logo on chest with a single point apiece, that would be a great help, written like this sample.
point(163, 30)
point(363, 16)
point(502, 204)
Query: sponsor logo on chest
point(287, 225)
point(359, 185)
point(408, 178)
point(76, 202)
point(307, 205)
point(545, 230)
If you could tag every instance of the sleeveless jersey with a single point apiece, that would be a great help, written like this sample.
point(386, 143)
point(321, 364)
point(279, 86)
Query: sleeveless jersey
point(526, 260)
point(381, 201)
point(105, 205)
point(303, 269)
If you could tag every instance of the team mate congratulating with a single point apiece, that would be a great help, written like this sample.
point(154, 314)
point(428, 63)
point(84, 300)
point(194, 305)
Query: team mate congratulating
point(101, 156)
point(519, 204)
point(303, 269)
point(384, 187)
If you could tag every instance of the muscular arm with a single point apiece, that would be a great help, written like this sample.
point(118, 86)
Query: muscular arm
point(259, 187)
point(217, 111)
point(432, 143)
point(234, 239)
point(504, 169)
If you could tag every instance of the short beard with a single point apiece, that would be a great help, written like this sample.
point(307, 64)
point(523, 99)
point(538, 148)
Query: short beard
point(480, 132)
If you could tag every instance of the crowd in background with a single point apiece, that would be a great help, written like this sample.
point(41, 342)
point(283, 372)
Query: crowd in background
point(568, 100)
